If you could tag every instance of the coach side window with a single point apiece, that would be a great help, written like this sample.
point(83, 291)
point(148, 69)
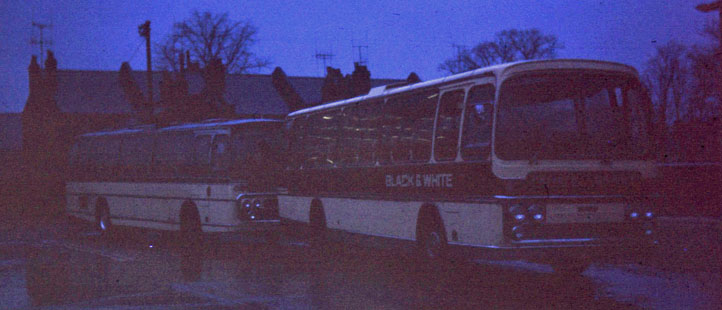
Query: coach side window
point(476, 135)
point(220, 153)
point(295, 134)
point(393, 126)
point(347, 150)
point(202, 150)
point(106, 155)
point(320, 140)
point(408, 122)
point(358, 138)
point(447, 125)
point(137, 154)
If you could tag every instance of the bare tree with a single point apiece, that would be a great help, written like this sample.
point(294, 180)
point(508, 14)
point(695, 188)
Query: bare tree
point(508, 45)
point(666, 77)
point(706, 72)
point(211, 37)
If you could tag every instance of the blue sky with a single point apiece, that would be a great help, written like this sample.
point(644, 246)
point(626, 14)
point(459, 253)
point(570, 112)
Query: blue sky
point(402, 37)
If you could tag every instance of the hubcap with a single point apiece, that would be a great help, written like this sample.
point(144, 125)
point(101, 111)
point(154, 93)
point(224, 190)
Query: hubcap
point(103, 219)
point(433, 245)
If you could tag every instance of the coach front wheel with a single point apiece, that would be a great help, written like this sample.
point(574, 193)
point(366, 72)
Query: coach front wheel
point(102, 220)
point(317, 228)
point(430, 239)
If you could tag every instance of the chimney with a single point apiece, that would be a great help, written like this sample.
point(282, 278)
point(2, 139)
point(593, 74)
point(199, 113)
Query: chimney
point(286, 90)
point(33, 76)
point(51, 75)
point(360, 80)
point(413, 78)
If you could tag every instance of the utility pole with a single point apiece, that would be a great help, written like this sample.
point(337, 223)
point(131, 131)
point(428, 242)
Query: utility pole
point(710, 7)
point(42, 41)
point(144, 31)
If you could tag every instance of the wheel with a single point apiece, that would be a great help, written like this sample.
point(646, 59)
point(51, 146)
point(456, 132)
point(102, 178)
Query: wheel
point(102, 220)
point(190, 229)
point(430, 239)
point(317, 228)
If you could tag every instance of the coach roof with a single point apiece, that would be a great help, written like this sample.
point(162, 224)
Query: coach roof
point(203, 125)
point(500, 71)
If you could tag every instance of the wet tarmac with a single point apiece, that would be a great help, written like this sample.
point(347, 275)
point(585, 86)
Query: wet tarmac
point(83, 271)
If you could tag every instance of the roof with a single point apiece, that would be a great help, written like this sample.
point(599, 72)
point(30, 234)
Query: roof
point(100, 92)
point(201, 125)
point(11, 132)
point(500, 71)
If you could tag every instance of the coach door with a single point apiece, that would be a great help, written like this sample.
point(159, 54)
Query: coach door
point(463, 123)
point(211, 165)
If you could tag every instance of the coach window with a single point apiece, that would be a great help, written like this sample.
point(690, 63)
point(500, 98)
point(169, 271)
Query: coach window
point(447, 125)
point(220, 153)
point(395, 127)
point(359, 135)
point(423, 108)
point(321, 139)
point(108, 154)
point(296, 132)
point(347, 148)
point(202, 152)
point(476, 135)
point(77, 153)
point(408, 125)
point(137, 153)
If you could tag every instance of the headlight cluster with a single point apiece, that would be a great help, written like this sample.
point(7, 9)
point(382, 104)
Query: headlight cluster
point(635, 212)
point(521, 218)
point(255, 209)
point(643, 215)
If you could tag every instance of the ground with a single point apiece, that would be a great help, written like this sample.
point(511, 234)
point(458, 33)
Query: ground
point(54, 264)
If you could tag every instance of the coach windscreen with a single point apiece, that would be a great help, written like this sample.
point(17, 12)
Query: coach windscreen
point(572, 115)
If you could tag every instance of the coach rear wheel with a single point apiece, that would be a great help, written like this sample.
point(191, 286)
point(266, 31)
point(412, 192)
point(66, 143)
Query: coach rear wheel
point(190, 229)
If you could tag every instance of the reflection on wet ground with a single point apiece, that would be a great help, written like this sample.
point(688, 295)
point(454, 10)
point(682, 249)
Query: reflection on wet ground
point(258, 276)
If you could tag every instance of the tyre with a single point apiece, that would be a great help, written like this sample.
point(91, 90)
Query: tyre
point(190, 229)
point(318, 239)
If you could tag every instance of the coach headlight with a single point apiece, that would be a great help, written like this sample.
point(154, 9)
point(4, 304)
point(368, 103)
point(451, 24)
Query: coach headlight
point(517, 212)
point(536, 212)
point(633, 212)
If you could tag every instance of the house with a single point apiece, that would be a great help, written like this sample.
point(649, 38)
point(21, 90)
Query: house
point(10, 146)
point(64, 103)
point(10, 132)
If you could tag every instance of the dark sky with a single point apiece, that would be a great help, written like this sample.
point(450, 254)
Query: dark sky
point(402, 36)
